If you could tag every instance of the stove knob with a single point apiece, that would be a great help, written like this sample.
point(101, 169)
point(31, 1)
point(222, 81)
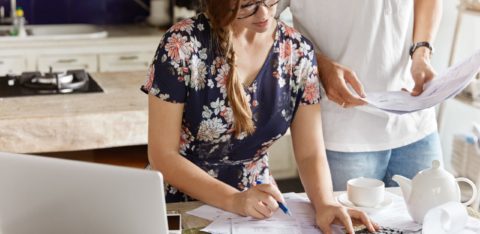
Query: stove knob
point(11, 82)
point(11, 79)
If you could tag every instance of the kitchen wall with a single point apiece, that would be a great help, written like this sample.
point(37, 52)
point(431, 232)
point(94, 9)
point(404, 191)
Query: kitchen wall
point(469, 37)
point(80, 11)
point(457, 117)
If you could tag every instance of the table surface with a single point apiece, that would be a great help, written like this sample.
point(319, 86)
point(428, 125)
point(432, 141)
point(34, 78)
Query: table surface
point(191, 224)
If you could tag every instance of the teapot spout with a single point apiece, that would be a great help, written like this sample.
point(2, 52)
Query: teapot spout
point(405, 185)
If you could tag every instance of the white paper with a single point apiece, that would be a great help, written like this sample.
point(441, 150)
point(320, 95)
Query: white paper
point(301, 221)
point(279, 223)
point(446, 85)
point(211, 213)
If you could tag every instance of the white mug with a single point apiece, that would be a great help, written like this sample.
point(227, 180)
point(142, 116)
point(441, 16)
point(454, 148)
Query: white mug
point(365, 192)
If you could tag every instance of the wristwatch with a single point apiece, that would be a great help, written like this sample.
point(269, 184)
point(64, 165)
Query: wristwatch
point(417, 45)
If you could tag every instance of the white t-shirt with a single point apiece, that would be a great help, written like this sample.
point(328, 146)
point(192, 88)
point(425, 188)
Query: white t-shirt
point(371, 37)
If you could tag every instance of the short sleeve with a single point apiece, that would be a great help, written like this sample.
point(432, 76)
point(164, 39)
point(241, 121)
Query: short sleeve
point(169, 70)
point(309, 92)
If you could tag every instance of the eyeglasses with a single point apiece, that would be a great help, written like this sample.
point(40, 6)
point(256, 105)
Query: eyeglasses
point(250, 9)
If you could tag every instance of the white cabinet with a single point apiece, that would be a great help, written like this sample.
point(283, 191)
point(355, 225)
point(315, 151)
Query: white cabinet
point(118, 62)
point(131, 52)
point(67, 62)
point(12, 64)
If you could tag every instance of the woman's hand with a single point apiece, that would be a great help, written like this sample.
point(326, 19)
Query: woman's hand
point(333, 213)
point(259, 201)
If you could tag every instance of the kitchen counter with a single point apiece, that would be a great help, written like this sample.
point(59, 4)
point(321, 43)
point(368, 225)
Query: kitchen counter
point(116, 33)
point(117, 117)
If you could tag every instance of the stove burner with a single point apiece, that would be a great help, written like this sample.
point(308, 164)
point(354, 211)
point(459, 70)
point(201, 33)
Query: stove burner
point(64, 82)
point(36, 83)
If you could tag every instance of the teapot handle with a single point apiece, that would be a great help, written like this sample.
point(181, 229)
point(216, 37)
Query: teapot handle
point(474, 189)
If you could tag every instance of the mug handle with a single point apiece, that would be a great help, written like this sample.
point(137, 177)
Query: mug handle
point(474, 189)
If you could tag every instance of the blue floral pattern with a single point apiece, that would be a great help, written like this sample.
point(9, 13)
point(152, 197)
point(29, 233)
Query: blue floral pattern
point(187, 69)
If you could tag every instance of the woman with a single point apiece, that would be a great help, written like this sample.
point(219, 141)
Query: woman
point(228, 83)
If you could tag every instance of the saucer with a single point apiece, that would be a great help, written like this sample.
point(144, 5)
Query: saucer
point(387, 201)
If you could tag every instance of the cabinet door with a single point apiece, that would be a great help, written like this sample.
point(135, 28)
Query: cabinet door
point(281, 158)
point(12, 65)
point(67, 62)
point(118, 62)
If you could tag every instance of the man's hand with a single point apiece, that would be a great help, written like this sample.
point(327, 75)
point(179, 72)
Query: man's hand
point(422, 71)
point(334, 78)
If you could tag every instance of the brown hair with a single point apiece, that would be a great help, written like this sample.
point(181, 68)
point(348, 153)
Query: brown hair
point(221, 18)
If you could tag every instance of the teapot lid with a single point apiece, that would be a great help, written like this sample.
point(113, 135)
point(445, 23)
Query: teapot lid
point(436, 171)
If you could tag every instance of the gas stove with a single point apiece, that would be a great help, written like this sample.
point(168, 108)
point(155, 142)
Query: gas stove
point(49, 83)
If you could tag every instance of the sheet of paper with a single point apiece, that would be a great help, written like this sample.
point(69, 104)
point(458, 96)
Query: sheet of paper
point(220, 225)
point(211, 213)
point(301, 221)
point(446, 85)
point(279, 223)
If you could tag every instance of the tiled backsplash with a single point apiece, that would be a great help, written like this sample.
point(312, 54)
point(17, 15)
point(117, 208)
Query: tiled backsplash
point(80, 11)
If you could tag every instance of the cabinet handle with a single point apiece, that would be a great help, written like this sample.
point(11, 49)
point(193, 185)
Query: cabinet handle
point(131, 57)
point(67, 60)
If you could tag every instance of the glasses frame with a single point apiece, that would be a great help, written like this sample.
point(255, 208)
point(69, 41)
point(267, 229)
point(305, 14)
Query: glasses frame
point(257, 6)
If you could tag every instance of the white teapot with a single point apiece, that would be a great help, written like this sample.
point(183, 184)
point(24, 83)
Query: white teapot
point(430, 188)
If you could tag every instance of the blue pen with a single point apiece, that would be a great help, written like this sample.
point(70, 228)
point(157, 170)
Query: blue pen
point(282, 206)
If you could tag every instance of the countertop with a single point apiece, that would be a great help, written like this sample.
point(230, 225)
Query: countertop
point(116, 33)
point(51, 123)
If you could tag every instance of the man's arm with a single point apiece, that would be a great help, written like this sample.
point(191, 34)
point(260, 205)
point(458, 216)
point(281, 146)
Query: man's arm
point(427, 15)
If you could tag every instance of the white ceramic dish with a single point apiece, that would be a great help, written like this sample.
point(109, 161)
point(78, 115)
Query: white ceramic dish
point(343, 199)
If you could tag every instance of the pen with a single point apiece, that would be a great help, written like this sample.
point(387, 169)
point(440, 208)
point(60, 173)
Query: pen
point(282, 206)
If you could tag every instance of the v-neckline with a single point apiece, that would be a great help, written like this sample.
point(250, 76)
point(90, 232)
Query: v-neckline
point(247, 87)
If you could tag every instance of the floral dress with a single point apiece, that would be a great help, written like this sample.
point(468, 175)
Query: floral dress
point(187, 69)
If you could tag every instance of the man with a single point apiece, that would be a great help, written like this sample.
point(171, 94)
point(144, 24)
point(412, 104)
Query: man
point(372, 46)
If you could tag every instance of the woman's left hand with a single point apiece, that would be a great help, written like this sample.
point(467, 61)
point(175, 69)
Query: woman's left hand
point(334, 213)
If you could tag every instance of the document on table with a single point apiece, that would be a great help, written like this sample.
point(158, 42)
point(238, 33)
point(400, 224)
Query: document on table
point(446, 85)
point(302, 219)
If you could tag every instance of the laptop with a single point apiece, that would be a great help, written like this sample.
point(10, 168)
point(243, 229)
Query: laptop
point(55, 196)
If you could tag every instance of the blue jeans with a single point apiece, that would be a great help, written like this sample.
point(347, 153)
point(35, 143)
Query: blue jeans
point(406, 160)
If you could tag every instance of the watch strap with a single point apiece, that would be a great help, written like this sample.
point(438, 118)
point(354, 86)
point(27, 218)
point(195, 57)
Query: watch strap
point(417, 45)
